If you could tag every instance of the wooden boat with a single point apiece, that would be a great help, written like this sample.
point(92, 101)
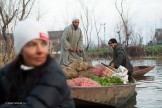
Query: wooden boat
point(141, 70)
point(115, 95)
point(138, 71)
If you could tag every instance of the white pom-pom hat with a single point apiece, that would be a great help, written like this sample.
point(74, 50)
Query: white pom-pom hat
point(26, 31)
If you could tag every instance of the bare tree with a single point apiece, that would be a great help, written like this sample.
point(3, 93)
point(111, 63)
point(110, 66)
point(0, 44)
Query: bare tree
point(10, 12)
point(126, 24)
point(25, 8)
point(118, 29)
point(87, 22)
point(97, 29)
point(38, 12)
point(136, 39)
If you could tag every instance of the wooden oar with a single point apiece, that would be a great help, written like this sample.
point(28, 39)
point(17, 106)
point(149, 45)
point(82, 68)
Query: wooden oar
point(108, 66)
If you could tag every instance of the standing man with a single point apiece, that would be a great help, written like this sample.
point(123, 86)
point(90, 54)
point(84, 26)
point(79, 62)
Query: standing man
point(71, 43)
point(120, 57)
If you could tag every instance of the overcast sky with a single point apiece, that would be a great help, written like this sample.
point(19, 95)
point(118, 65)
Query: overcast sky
point(146, 15)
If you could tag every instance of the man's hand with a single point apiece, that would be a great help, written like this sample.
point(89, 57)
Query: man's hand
point(71, 49)
point(112, 65)
point(78, 50)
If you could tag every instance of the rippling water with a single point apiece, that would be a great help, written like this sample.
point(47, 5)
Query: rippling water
point(149, 87)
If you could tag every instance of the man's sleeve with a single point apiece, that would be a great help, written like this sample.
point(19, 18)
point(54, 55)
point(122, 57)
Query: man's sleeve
point(64, 39)
point(80, 42)
point(119, 59)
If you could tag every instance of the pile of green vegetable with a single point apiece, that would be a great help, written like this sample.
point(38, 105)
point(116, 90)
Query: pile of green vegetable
point(107, 81)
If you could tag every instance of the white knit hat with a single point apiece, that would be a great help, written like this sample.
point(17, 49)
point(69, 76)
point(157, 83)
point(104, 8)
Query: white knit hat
point(26, 31)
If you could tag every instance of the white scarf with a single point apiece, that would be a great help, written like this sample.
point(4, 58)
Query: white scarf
point(26, 67)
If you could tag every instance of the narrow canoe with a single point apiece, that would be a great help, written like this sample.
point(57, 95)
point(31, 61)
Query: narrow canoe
point(141, 70)
point(115, 95)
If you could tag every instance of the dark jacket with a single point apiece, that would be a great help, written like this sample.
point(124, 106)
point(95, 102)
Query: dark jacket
point(120, 57)
point(41, 87)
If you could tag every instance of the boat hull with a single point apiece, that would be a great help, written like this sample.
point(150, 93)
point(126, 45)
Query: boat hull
point(115, 95)
point(139, 71)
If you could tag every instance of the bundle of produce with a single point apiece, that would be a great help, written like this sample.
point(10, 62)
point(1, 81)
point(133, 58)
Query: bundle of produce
point(79, 65)
point(100, 71)
point(69, 72)
point(86, 73)
point(107, 81)
point(82, 81)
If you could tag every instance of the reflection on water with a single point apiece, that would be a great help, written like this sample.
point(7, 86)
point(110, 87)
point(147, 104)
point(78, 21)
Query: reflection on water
point(148, 88)
point(146, 78)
